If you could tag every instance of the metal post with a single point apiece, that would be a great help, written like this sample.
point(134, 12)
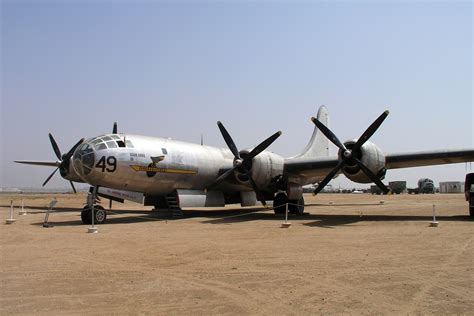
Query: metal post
point(286, 224)
point(23, 212)
point(434, 223)
point(10, 220)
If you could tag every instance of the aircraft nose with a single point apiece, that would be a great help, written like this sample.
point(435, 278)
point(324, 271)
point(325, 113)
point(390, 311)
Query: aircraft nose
point(84, 159)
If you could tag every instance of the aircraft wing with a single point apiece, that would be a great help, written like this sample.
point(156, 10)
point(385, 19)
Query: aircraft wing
point(428, 158)
point(321, 166)
point(40, 163)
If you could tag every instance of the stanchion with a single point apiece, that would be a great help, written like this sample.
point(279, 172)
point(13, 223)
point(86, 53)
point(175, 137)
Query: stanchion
point(286, 224)
point(22, 212)
point(434, 223)
point(10, 220)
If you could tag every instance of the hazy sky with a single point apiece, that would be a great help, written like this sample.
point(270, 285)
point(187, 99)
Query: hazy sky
point(172, 69)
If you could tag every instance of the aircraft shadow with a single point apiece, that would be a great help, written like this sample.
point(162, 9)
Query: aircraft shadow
point(331, 221)
point(143, 216)
point(44, 209)
point(232, 216)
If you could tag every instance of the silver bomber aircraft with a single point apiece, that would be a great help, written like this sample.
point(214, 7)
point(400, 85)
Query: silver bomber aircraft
point(170, 174)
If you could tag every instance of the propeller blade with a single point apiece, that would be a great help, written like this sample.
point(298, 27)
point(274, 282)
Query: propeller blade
point(72, 185)
point(263, 145)
point(330, 135)
point(230, 143)
point(114, 129)
point(328, 178)
point(257, 191)
point(55, 146)
point(71, 151)
point(370, 131)
point(372, 177)
point(222, 177)
point(50, 176)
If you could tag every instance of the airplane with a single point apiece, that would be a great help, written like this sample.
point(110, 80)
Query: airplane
point(170, 174)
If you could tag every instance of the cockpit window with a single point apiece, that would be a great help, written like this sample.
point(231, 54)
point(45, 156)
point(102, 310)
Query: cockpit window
point(84, 159)
point(120, 143)
point(112, 144)
point(100, 146)
point(106, 138)
point(115, 136)
point(95, 142)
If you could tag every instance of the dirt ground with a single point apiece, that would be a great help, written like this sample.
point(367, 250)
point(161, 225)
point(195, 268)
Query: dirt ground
point(351, 254)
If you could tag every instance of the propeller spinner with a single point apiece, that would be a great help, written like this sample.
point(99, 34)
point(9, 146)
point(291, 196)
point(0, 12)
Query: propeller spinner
point(349, 155)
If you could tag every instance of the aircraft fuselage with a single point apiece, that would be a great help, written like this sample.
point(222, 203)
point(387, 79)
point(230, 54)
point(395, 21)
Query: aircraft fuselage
point(150, 165)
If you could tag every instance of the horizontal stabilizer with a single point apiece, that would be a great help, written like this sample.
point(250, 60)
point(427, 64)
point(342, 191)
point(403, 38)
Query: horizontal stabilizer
point(40, 163)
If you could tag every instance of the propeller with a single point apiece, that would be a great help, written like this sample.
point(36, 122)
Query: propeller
point(63, 160)
point(244, 163)
point(349, 155)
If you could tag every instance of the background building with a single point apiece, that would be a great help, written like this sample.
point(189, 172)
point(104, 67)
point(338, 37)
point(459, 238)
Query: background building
point(451, 187)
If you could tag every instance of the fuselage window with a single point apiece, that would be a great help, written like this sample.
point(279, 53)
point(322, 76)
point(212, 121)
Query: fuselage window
point(165, 152)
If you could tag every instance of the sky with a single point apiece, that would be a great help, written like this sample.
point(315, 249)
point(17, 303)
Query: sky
point(174, 68)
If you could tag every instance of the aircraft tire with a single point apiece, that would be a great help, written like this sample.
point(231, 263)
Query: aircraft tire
point(100, 215)
point(279, 203)
point(297, 206)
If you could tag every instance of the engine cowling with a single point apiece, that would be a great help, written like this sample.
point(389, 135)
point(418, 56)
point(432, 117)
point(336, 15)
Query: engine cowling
point(264, 167)
point(371, 156)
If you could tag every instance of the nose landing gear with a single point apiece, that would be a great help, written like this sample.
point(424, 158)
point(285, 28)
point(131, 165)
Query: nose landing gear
point(100, 215)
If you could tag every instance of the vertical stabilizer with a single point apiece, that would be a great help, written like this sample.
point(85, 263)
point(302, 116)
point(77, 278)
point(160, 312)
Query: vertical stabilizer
point(318, 145)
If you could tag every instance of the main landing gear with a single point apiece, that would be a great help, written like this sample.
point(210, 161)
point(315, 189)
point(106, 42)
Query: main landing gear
point(294, 206)
point(100, 215)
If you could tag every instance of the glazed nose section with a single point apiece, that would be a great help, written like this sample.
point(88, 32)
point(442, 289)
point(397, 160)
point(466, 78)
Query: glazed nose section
point(84, 159)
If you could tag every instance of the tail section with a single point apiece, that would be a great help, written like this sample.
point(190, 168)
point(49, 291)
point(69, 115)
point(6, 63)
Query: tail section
point(318, 145)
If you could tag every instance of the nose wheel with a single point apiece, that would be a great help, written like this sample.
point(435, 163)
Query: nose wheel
point(100, 215)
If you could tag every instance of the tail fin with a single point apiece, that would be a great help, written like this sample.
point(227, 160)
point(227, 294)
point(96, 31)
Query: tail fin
point(318, 145)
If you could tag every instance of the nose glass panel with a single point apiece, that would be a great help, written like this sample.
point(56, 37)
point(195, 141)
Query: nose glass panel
point(84, 159)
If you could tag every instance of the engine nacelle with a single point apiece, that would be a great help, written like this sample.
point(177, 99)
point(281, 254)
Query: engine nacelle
point(265, 167)
point(371, 156)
